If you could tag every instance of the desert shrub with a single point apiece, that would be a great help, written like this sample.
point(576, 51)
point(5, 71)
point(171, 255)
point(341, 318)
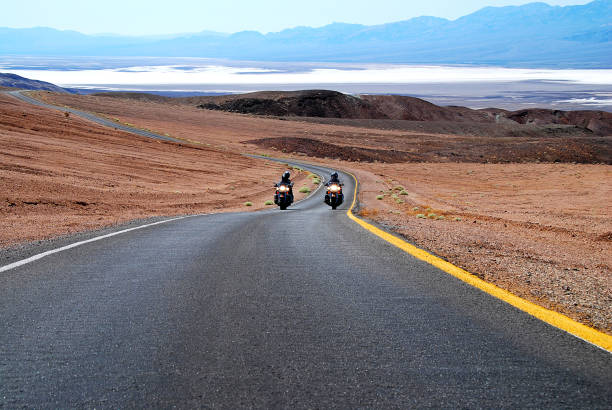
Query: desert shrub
point(421, 216)
point(403, 192)
point(441, 217)
point(399, 188)
point(416, 208)
point(304, 190)
point(400, 201)
point(458, 219)
point(431, 215)
point(269, 202)
point(248, 204)
point(380, 197)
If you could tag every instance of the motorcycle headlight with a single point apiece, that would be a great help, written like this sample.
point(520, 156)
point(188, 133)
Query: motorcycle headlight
point(283, 188)
point(334, 188)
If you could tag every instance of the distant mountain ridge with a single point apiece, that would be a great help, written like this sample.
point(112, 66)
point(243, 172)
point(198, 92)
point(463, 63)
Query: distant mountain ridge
point(18, 82)
point(534, 34)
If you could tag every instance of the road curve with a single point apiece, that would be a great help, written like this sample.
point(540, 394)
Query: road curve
point(92, 117)
point(275, 309)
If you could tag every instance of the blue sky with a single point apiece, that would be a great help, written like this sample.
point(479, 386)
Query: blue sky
point(145, 17)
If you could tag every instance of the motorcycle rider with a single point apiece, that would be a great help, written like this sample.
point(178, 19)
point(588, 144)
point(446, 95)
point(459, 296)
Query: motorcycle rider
point(286, 180)
point(333, 179)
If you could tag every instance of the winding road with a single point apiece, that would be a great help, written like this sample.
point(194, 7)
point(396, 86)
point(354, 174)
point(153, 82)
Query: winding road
point(91, 117)
point(275, 309)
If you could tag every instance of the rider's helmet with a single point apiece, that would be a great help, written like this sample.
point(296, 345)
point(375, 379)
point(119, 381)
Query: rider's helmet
point(286, 176)
point(334, 176)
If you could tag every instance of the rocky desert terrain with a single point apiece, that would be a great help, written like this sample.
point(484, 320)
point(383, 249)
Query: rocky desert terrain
point(401, 109)
point(525, 206)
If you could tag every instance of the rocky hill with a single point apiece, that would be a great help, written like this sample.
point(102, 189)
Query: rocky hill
point(308, 103)
point(15, 81)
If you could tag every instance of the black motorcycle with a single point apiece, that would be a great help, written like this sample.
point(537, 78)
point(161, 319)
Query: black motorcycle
point(334, 196)
point(284, 195)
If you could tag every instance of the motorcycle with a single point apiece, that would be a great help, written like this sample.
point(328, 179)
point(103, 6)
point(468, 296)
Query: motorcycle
point(334, 196)
point(283, 196)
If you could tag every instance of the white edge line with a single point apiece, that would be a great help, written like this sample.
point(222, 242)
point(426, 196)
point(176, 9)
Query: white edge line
point(74, 245)
point(36, 257)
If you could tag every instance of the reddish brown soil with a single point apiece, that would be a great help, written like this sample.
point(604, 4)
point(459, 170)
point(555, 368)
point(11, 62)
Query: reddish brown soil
point(62, 174)
point(315, 148)
point(332, 104)
point(421, 148)
point(540, 230)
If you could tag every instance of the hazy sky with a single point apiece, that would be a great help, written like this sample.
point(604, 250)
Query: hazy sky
point(138, 17)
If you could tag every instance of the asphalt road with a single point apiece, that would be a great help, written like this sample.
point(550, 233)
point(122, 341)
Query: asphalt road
point(92, 117)
point(276, 309)
point(298, 308)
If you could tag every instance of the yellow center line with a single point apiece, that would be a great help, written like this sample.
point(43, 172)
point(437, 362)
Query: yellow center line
point(553, 318)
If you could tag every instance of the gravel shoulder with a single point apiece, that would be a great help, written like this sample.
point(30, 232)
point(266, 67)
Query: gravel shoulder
point(542, 231)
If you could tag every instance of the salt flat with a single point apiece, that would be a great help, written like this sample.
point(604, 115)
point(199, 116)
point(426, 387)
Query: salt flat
point(471, 86)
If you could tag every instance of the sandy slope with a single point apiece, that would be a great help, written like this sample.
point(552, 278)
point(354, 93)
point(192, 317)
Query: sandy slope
point(542, 231)
point(62, 174)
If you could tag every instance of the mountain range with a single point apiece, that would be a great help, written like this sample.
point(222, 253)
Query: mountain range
point(532, 35)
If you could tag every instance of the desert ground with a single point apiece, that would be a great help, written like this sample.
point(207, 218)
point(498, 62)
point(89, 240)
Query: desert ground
point(60, 174)
point(528, 213)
